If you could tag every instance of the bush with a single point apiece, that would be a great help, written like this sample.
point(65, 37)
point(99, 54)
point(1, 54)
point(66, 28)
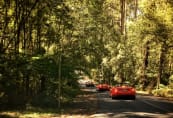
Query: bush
point(163, 91)
point(69, 93)
point(44, 100)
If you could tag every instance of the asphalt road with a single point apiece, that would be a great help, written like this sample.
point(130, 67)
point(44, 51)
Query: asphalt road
point(142, 107)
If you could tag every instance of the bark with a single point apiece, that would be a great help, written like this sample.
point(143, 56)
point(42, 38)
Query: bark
point(43, 86)
point(136, 8)
point(123, 14)
point(27, 85)
point(19, 23)
point(145, 64)
point(161, 63)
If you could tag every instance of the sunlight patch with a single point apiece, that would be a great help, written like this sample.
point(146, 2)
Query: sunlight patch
point(130, 114)
point(73, 116)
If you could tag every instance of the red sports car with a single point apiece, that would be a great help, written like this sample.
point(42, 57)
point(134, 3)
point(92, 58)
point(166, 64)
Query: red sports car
point(123, 91)
point(102, 87)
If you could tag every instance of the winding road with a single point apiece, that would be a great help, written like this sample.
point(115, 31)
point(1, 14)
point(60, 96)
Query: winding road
point(144, 106)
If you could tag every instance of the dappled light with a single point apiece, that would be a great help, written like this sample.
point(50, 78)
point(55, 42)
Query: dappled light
point(129, 115)
point(56, 53)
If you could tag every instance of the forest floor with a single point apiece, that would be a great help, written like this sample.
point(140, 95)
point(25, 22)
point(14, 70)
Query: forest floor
point(84, 106)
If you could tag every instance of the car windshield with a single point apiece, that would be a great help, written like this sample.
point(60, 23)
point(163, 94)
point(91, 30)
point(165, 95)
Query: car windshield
point(124, 84)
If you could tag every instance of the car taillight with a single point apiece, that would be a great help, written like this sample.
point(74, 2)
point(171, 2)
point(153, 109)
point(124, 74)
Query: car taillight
point(115, 90)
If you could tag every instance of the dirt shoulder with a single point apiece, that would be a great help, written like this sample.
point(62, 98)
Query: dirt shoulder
point(145, 93)
point(83, 105)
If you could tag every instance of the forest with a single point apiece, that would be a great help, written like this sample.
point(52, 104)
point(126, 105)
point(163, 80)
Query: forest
point(46, 46)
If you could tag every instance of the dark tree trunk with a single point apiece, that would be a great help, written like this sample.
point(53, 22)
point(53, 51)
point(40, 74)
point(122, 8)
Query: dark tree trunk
point(43, 80)
point(123, 15)
point(145, 64)
point(27, 85)
point(136, 8)
point(161, 63)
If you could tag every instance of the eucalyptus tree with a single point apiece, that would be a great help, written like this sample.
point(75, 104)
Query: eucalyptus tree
point(99, 34)
point(153, 28)
point(14, 16)
point(120, 48)
point(110, 33)
point(28, 31)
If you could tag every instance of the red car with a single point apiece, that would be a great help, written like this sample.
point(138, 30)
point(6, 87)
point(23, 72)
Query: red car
point(102, 87)
point(123, 91)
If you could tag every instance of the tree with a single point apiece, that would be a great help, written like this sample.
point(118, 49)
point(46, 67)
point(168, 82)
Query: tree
point(154, 27)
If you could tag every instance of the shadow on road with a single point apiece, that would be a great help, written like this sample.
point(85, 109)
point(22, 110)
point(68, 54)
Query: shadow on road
point(94, 104)
point(142, 107)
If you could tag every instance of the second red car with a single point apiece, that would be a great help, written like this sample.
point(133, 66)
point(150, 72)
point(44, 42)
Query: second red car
point(102, 87)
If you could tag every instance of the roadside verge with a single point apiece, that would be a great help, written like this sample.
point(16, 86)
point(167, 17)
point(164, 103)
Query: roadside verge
point(83, 106)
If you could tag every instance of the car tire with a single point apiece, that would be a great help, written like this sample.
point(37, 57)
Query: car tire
point(133, 97)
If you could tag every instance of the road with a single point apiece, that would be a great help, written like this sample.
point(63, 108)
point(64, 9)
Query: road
point(142, 107)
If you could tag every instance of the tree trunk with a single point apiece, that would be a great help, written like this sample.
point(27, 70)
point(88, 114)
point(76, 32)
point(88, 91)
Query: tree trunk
point(43, 86)
point(145, 64)
point(27, 85)
point(123, 15)
point(163, 50)
point(17, 27)
point(136, 8)
point(59, 79)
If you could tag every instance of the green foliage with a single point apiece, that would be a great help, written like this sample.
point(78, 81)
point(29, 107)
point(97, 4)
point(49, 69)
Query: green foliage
point(45, 101)
point(45, 66)
point(69, 93)
point(163, 91)
point(44, 43)
point(151, 33)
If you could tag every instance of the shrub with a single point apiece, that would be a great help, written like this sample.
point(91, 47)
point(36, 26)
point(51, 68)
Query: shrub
point(163, 91)
point(44, 100)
